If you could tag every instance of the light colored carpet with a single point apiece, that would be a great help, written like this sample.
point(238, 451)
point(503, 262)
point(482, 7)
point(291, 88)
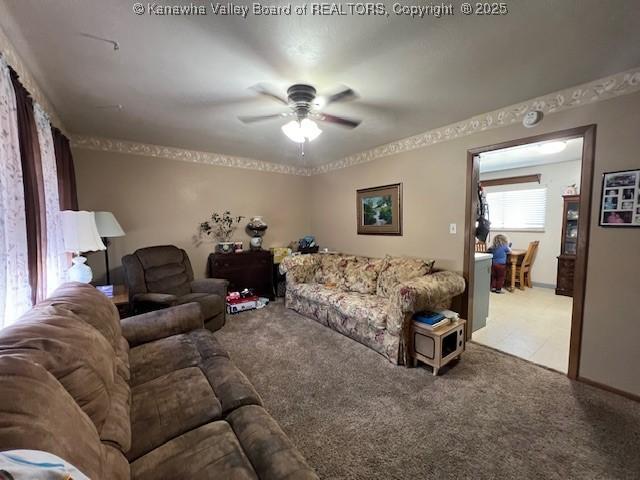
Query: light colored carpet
point(355, 416)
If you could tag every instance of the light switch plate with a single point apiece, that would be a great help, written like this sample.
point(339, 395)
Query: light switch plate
point(452, 228)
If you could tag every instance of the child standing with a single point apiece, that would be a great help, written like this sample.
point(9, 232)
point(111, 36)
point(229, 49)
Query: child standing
point(500, 249)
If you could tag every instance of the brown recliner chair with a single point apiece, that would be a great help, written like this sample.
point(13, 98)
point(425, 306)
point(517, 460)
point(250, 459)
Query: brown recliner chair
point(160, 277)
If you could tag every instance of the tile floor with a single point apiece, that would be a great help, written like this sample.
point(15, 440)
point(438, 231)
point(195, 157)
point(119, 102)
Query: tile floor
point(533, 324)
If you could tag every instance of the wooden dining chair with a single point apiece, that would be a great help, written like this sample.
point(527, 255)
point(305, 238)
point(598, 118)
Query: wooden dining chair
point(481, 247)
point(523, 270)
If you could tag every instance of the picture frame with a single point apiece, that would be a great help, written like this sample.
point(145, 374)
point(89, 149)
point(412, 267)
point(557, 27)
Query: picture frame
point(379, 210)
point(620, 199)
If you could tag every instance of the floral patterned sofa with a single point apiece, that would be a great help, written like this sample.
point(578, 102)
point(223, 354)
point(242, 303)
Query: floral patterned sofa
point(368, 299)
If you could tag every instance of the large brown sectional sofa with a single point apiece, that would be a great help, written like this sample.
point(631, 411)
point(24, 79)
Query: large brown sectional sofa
point(152, 397)
point(370, 300)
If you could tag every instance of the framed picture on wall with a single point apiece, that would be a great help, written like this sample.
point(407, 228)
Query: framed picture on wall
point(620, 201)
point(379, 210)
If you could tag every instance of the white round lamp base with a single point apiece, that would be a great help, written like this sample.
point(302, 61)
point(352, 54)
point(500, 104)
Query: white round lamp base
point(80, 272)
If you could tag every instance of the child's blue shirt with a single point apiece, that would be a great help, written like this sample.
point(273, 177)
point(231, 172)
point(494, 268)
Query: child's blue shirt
point(500, 254)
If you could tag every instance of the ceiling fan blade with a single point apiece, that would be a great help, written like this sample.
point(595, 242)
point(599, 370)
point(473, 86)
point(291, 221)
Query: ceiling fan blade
point(259, 118)
point(344, 95)
point(269, 91)
point(344, 122)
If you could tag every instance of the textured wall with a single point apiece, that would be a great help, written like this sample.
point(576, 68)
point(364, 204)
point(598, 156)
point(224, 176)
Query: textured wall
point(434, 196)
point(160, 201)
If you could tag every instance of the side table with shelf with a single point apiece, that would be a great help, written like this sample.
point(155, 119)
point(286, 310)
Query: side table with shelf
point(439, 346)
point(120, 299)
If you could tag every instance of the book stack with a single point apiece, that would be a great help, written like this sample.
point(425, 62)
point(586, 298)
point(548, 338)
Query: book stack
point(433, 320)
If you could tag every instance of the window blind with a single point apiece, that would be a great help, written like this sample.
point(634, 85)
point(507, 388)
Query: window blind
point(518, 209)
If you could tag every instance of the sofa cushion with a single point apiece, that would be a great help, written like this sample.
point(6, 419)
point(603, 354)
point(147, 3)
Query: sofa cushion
point(74, 352)
point(122, 360)
point(231, 386)
point(270, 451)
point(314, 292)
point(331, 267)
point(154, 359)
point(169, 406)
point(210, 452)
point(361, 276)
point(210, 304)
point(400, 269)
point(362, 306)
point(91, 306)
point(39, 414)
point(117, 425)
point(159, 255)
point(172, 278)
point(299, 268)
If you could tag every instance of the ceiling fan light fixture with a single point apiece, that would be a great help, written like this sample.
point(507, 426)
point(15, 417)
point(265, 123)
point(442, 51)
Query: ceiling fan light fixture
point(300, 131)
point(310, 129)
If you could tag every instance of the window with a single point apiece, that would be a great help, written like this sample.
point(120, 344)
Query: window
point(517, 209)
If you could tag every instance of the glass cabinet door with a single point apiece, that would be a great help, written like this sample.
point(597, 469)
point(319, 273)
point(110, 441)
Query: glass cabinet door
point(571, 228)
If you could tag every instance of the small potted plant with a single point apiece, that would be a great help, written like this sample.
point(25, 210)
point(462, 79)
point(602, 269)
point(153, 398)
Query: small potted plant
point(221, 228)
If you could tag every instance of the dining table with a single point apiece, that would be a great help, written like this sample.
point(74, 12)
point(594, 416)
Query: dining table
point(513, 259)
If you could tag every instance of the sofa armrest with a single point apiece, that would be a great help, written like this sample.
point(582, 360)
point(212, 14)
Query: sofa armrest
point(429, 292)
point(161, 299)
point(162, 323)
point(299, 268)
point(210, 285)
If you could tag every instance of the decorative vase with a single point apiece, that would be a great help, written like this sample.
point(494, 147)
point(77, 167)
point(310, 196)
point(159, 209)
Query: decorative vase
point(79, 271)
point(256, 243)
point(256, 228)
point(224, 247)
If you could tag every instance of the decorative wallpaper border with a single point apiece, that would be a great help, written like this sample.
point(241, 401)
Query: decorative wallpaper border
point(12, 58)
point(603, 89)
point(598, 90)
point(183, 155)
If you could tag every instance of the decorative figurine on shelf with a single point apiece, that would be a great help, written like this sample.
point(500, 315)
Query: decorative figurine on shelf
point(221, 227)
point(571, 190)
point(256, 228)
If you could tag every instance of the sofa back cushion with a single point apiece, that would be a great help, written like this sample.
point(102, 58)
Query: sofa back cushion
point(361, 276)
point(91, 306)
point(37, 413)
point(166, 269)
point(331, 268)
point(396, 270)
point(72, 351)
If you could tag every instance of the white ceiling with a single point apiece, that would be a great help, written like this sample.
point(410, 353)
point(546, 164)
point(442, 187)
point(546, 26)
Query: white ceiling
point(183, 80)
point(528, 156)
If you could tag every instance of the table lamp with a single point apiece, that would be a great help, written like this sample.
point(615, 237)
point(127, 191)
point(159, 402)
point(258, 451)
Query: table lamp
point(108, 227)
point(80, 234)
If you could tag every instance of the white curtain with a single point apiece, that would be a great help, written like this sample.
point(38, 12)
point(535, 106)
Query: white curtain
point(15, 292)
point(56, 260)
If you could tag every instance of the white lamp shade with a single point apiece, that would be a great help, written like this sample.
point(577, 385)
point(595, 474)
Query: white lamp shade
point(107, 225)
point(80, 232)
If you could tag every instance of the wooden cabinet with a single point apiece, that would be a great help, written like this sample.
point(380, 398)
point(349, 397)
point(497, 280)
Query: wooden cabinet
point(251, 269)
point(568, 245)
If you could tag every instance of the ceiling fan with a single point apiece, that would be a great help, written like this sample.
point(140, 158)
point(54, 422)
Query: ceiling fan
point(304, 106)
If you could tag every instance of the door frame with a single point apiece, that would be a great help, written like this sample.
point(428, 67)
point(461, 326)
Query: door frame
point(588, 134)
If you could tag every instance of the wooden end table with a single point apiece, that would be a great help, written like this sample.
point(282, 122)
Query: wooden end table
point(120, 299)
point(439, 346)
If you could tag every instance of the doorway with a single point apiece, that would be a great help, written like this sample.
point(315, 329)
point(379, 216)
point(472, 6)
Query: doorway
point(510, 174)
